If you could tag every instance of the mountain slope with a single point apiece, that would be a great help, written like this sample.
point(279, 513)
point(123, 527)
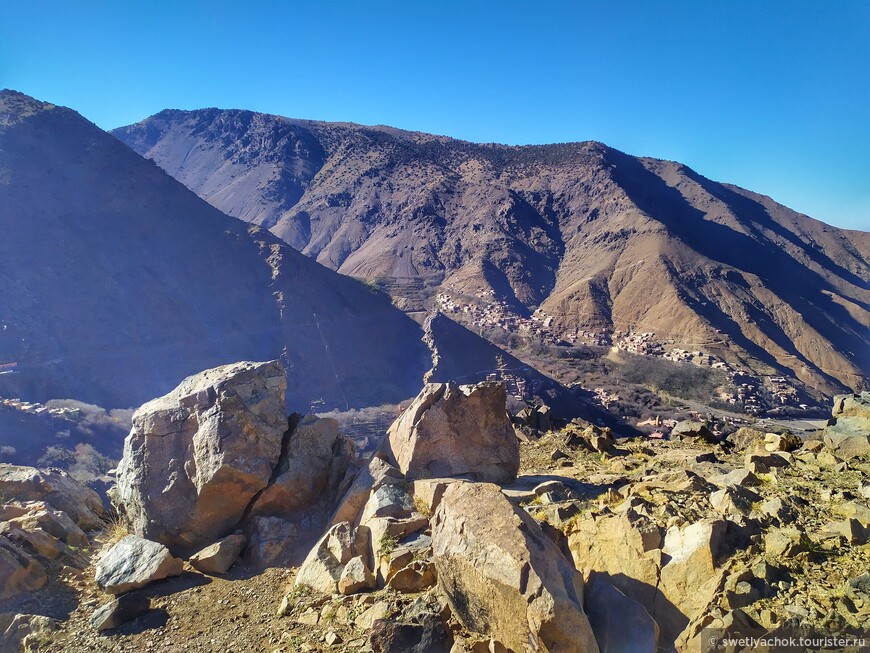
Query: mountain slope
point(116, 282)
point(592, 237)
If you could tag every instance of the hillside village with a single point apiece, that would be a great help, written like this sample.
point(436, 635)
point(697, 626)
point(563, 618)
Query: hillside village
point(754, 394)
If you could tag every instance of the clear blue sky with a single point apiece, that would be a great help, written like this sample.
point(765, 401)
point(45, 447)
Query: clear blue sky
point(771, 95)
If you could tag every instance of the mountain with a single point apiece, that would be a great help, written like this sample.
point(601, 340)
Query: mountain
point(595, 240)
point(116, 282)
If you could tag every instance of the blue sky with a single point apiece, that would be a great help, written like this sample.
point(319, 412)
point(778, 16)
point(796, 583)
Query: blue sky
point(773, 96)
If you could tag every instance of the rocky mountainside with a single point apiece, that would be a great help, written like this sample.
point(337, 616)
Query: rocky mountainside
point(596, 240)
point(116, 281)
point(240, 529)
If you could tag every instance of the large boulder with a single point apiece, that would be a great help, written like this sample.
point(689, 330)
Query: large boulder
point(54, 488)
point(134, 562)
point(18, 571)
point(503, 577)
point(196, 457)
point(451, 430)
point(316, 460)
point(848, 430)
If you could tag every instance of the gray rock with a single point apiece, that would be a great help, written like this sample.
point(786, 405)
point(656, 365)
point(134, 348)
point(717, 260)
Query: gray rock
point(325, 563)
point(356, 577)
point(848, 431)
point(428, 636)
point(121, 610)
point(451, 430)
point(55, 488)
point(135, 562)
point(620, 624)
point(503, 577)
point(197, 456)
point(388, 501)
point(217, 558)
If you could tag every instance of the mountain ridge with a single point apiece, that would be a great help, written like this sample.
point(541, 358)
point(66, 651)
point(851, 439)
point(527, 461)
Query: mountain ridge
point(595, 238)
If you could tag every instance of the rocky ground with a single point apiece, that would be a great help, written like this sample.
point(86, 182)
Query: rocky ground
point(453, 544)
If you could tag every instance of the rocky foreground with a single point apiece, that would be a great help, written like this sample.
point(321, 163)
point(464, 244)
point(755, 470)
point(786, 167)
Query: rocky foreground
point(238, 529)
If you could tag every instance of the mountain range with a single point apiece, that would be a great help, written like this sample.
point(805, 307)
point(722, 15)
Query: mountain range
point(116, 282)
point(592, 238)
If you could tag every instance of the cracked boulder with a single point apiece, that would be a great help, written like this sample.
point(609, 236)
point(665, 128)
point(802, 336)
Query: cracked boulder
point(451, 430)
point(503, 577)
point(196, 457)
point(848, 430)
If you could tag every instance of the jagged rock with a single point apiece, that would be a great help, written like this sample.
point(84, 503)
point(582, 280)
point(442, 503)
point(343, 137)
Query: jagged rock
point(781, 442)
point(736, 477)
point(848, 430)
point(745, 438)
point(135, 562)
point(121, 610)
point(503, 577)
point(620, 624)
point(40, 516)
point(851, 530)
point(759, 464)
point(734, 500)
point(217, 558)
point(55, 488)
point(316, 454)
point(430, 491)
point(197, 456)
point(776, 508)
point(389, 500)
point(783, 543)
point(451, 430)
point(428, 636)
point(380, 610)
point(688, 429)
point(25, 632)
point(18, 571)
point(356, 577)
point(414, 577)
point(368, 479)
point(384, 534)
point(34, 541)
point(324, 564)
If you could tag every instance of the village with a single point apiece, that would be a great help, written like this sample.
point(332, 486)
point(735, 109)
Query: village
point(34, 408)
point(754, 395)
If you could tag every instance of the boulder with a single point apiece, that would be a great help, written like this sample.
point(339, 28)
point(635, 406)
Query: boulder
point(40, 516)
point(391, 500)
point(781, 442)
point(451, 430)
point(414, 577)
point(355, 577)
point(272, 541)
point(503, 576)
point(693, 430)
point(217, 558)
point(120, 610)
point(54, 488)
point(368, 479)
point(196, 457)
point(26, 632)
point(848, 431)
point(315, 458)
point(620, 624)
point(427, 636)
point(18, 571)
point(323, 567)
point(135, 562)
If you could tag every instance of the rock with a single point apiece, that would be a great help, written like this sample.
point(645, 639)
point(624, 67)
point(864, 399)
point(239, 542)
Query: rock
point(745, 438)
point(54, 488)
point(451, 430)
point(781, 442)
point(783, 543)
point(391, 500)
point(40, 516)
point(503, 576)
point(121, 610)
point(734, 500)
point(272, 541)
point(197, 456)
point(324, 564)
point(18, 571)
point(758, 464)
point(854, 510)
point(332, 639)
point(777, 509)
point(27, 632)
point(430, 491)
point(302, 476)
point(692, 430)
point(135, 562)
point(35, 541)
point(217, 558)
point(859, 588)
point(377, 473)
point(378, 611)
point(414, 577)
point(428, 636)
point(620, 624)
point(848, 432)
point(850, 530)
point(742, 477)
point(356, 577)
